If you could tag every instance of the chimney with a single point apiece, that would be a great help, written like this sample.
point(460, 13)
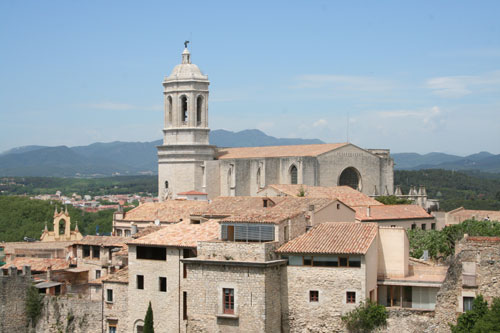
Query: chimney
point(134, 229)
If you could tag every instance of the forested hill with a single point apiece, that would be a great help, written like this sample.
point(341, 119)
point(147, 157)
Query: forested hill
point(454, 189)
point(21, 217)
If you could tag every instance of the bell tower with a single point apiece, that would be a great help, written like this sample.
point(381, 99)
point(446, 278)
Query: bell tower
point(185, 133)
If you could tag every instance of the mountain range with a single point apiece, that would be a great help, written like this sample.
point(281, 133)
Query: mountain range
point(132, 158)
point(116, 158)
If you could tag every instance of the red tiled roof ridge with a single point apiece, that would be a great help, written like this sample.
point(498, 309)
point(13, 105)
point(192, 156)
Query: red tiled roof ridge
point(192, 192)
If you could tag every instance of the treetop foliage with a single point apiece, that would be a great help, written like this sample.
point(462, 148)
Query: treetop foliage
point(148, 320)
point(366, 317)
point(480, 319)
point(392, 200)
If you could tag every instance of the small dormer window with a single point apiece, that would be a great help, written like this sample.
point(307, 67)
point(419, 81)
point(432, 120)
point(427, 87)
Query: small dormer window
point(195, 221)
point(265, 202)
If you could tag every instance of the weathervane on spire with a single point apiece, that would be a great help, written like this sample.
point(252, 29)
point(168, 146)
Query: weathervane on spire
point(186, 44)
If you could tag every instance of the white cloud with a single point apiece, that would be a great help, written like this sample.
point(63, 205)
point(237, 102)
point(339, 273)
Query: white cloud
point(460, 86)
point(111, 106)
point(320, 123)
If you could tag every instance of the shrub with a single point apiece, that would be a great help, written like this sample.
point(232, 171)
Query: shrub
point(366, 317)
point(33, 304)
point(148, 321)
point(467, 320)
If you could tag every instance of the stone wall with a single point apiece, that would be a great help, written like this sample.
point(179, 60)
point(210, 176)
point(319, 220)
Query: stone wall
point(256, 298)
point(237, 251)
point(484, 254)
point(69, 314)
point(332, 284)
point(13, 289)
point(115, 312)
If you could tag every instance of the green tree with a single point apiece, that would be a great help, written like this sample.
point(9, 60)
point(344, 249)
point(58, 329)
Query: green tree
point(148, 320)
point(34, 304)
point(467, 320)
point(490, 322)
point(366, 317)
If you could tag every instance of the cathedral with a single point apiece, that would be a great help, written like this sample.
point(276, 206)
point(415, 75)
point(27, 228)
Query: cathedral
point(187, 161)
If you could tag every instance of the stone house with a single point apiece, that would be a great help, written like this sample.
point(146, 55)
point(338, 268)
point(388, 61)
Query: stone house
point(405, 216)
point(474, 270)
point(157, 275)
point(154, 214)
point(331, 269)
point(101, 255)
point(461, 214)
point(112, 292)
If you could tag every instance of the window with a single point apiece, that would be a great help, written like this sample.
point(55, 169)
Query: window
point(338, 206)
point(184, 305)
point(139, 329)
point(468, 303)
point(354, 262)
point(127, 233)
point(423, 226)
point(140, 281)
point(109, 295)
point(184, 109)
point(433, 226)
point(199, 109)
point(351, 178)
point(119, 232)
point(112, 328)
point(350, 297)
point(163, 284)
point(247, 232)
point(393, 226)
point(413, 226)
point(313, 296)
point(325, 261)
point(151, 253)
point(97, 273)
point(169, 109)
point(285, 231)
point(166, 183)
point(95, 252)
point(228, 300)
point(343, 261)
point(86, 251)
point(293, 175)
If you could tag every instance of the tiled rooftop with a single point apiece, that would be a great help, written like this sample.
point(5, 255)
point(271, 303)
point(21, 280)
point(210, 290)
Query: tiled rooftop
point(111, 241)
point(465, 214)
point(166, 211)
point(277, 151)
point(120, 276)
point(183, 234)
point(37, 264)
point(346, 194)
point(192, 193)
point(146, 231)
point(391, 212)
point(10, 247)
point(334, 238)
point(251, 209)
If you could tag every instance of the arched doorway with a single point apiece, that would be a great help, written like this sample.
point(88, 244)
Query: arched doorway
point(350, 177)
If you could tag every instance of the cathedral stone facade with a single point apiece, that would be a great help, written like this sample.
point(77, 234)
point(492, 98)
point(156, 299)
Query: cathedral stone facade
point(187, 161)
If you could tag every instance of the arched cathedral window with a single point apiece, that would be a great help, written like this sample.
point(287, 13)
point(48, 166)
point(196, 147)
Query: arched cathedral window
point(169, 109)
point(293, 175)
point(350, 177)
point(199, 109)
point(184, 109)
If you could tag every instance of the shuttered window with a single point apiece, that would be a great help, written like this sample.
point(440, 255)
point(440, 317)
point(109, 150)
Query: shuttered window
point(249, 232)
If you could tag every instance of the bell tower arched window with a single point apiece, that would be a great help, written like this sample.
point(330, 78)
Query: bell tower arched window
point(184, 109)
point(293, 175)
point(169, 109)
point(199, 109)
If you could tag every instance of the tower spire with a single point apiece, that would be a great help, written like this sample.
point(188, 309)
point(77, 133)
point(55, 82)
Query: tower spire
point(186, 56)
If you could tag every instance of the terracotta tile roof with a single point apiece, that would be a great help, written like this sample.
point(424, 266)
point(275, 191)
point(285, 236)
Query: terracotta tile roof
point(11, 247)
point(466, 214)
point(334, 238)
point(166, 211)
point(110, 241)
point(483, 239)
point(192, 193)
point(183, 234)
point(277, 151)
point(37, 264)
point(120, 276)
point(285, 208)
point(346, 194)
point(251, 209)
point(146, 231)
point(391, 212)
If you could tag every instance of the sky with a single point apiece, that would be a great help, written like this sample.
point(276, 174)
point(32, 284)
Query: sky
point(410, 76)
